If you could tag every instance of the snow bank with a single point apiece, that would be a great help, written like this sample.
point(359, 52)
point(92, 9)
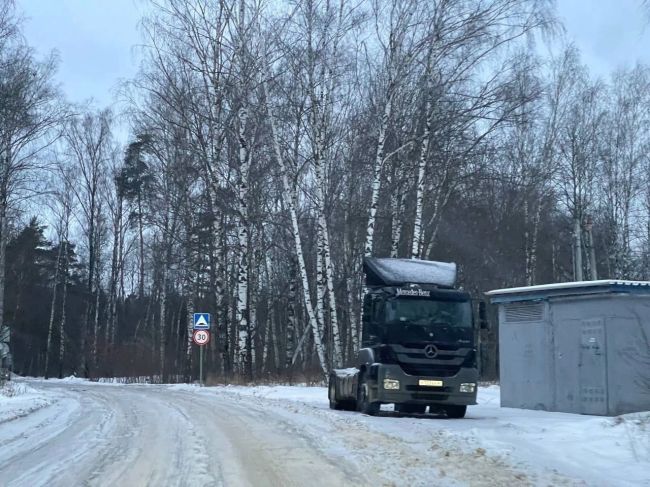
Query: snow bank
point(72, 379)
point(14, 389)
point(314, 396)
point(17, 399)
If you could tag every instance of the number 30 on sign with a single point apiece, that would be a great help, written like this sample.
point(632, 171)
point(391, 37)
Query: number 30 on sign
point(201, 337)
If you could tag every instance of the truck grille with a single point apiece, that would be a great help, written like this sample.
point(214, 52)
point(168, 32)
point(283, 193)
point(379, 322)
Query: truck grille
point(434, 370)
point(446, 363)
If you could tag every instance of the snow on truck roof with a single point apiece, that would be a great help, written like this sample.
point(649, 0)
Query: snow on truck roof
point(568, 289)
point(399, 272)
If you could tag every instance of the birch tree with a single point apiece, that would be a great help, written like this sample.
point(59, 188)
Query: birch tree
point(325, 29)
point(579, 148)
point(399, 45)
point(290, 200)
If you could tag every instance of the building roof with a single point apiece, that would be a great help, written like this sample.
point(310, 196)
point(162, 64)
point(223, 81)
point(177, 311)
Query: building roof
point(400, 272)
point(577, 288)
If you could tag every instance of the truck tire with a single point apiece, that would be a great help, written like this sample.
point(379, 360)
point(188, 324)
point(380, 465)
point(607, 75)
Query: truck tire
point(455, 411)
point(348, 405)
point(363, 405)
point(331, 393)
point(411, 408)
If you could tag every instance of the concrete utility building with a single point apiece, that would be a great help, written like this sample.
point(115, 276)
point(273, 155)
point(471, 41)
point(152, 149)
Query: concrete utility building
point(577, 347)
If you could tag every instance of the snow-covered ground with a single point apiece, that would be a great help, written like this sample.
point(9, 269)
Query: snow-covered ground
point(530, 446)
point(70, 431)
point(17, 399)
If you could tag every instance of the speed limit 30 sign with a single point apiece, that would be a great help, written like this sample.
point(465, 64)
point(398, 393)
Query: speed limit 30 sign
point(201, 337)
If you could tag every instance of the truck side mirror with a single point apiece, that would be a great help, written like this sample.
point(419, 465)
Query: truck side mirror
point(482, 316)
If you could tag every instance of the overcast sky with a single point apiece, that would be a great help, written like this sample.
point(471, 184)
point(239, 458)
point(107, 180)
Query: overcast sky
point(95, 38)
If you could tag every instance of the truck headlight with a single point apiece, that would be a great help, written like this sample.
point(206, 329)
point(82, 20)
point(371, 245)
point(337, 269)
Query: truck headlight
point(468, 387)
point(391, 384)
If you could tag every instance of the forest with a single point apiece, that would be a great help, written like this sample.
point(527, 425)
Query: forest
point(273, 145)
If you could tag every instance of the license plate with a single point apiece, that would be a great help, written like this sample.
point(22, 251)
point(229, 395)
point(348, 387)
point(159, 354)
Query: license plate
point(430, 383)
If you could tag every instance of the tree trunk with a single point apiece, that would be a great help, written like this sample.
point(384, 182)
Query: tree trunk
point(440, 201)
point(376, 175)
point(320, 285)
point(533, 244)
point(52, 311)
point(96, 324)
point(4, 237)
point(416, 249)
point(291, 318)
point(63, 304)
point(163, 318)
point(266, 344)
point(188, 343)
point(4, 227)
point(593, 271)
point(527, 244)
point(253, 350)
point(329, 275)
point(114, 283)
point(354, 334)
point(577, 249)
point(244, 353)
point(89, 288)
point(221, 314)
point(141, 242)
point(397, 206)
point(273, 323)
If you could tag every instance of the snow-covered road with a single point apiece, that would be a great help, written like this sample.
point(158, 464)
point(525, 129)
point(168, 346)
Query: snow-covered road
point(72, 432)
point(94, 434)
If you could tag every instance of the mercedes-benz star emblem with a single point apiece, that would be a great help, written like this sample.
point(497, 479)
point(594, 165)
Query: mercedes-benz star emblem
point(430, 351)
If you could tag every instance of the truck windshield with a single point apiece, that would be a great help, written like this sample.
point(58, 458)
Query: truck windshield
point(429, 313)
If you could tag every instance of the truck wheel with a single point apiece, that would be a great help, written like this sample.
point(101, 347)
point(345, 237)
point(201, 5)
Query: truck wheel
point(411, 408)
point(455, 411)
point(363, 405)
point(348, 405)
point(331, 392)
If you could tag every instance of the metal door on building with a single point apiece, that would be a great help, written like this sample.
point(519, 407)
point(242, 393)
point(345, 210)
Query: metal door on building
point(593, 367)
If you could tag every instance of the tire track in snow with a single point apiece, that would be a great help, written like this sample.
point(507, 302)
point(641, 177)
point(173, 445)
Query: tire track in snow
point(52, 447)
point(438, 456)
point(256, 449)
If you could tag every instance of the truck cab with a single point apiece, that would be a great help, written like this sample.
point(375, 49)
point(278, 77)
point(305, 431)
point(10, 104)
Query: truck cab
point(418, 346)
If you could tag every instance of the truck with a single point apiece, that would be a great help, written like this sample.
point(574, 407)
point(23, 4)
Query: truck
point(418, 344)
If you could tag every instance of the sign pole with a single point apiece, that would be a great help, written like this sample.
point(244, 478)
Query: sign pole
point(201, 365)
point(201, 337)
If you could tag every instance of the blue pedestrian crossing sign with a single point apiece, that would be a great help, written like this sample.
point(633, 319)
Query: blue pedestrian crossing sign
point(201, 321)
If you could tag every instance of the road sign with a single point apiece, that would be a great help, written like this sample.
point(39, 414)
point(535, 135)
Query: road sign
point(201, 337)
point(201, 321)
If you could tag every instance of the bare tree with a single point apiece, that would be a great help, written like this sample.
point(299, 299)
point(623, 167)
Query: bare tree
point(579, 143)
point(626, 126)
point(30, 111)
point(89, 144)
